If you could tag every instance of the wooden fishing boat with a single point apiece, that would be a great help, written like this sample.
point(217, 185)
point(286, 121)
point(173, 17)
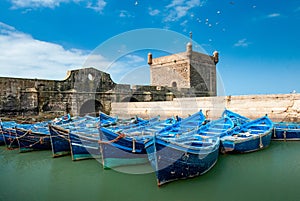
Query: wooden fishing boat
point(248, 137)
point(60, 142)
point(2, 140)
point(193, 122)
point(9, 134)
point(126, 146)
point(286, 131)
point(182, 157)
point(187, 154)
point(84, 144)
point(235, 117)
point(216, 128)
point(35, 138)
point(80, 129)
point(59, 134)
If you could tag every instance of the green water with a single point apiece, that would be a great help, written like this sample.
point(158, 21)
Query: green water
point(271, 174)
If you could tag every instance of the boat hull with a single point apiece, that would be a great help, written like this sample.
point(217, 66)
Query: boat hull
point(59, 141)
point(286, 132)
point(249, 137)
point(247, 145)
point(173, 163)
point(83, 147)
point(120, 152)
point(30, 141)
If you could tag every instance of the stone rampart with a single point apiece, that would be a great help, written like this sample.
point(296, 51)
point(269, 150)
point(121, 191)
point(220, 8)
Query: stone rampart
point(279, 107)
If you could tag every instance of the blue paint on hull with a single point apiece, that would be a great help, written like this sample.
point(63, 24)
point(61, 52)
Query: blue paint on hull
point(59, 141)
point(29, 141)
point(172, 162)
point(122, 152)
point(286, 131)
point(246, 146)
point(251, 136)
point(83, 147)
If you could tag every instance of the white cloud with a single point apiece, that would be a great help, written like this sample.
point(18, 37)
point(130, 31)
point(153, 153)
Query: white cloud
point(37, 3)
point(153, 12)
point(124, 13)
point(180, 8)
point(184, 23)
point(242, 43)
point(97, 6)
point(23, 56)
point(272, 15)
point(134, 59)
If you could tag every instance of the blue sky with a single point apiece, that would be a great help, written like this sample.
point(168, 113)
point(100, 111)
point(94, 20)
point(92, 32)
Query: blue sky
point(258, 40)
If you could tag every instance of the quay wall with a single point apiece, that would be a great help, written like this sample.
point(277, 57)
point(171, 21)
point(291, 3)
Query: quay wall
point(279, 107)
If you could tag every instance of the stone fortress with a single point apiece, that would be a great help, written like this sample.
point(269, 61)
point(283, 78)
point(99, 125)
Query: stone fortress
point(88, 90)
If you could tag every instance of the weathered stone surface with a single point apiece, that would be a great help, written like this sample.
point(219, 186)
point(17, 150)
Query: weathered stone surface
point(279, 107)
point(185, 70)
point(88, 90)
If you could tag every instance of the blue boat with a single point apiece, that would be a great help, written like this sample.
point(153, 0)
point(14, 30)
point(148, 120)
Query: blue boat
point(9, 133)
point(187, 153)
point(190, 123)
point(248, 137)
point(126, 146)
point(182, 157)
point(84, 144)
point(235, 117)
point(60, 142)
point(59, 134)
point(286, 131)
point(216, 128)
point(84, 140)
point(2, 140)
point(35, 138)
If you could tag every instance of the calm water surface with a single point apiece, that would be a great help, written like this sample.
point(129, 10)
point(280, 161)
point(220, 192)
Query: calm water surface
point(271, 174)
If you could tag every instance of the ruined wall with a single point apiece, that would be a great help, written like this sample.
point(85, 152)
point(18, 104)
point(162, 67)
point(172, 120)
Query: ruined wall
point(279, 107)
point(32, 96)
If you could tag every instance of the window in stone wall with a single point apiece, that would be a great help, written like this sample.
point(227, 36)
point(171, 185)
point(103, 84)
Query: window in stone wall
point(174, 84)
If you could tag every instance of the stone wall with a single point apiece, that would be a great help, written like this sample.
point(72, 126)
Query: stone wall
point(203, 73)
point(83, 91)
point(185, 70)
point(279, 107)
point(20, 96)
point(171, 71)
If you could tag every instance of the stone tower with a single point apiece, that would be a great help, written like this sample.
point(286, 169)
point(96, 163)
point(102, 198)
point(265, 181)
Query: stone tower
point(187, 69)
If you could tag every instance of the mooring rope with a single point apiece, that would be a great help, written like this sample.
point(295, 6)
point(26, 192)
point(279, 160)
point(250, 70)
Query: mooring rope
point(27, 132)
point(133, 145)
point(274, 132)
point(284, 135)
point(260, 141)
point(10, 139)
point(122, 135)
point(59, 133)
point(63, 136)
point(41, 141)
